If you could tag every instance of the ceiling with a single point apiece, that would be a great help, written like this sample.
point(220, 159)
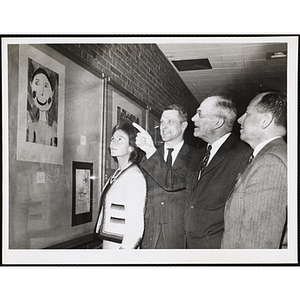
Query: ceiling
point(241, 68)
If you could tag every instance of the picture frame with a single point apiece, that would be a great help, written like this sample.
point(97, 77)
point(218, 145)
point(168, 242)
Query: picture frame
point(123, 108)
point(82, 192)
point(40, 107)
point(123, 114)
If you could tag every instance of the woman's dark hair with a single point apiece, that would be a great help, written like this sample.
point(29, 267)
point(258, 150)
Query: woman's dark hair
point(126, 126)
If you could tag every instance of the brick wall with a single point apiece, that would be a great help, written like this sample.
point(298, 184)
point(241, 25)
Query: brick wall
point(140, 69)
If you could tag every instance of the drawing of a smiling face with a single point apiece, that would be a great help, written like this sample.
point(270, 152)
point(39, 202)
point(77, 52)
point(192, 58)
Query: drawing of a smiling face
point(42, 92)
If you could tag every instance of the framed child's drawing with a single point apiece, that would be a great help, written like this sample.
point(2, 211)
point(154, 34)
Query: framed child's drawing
point(40, 107)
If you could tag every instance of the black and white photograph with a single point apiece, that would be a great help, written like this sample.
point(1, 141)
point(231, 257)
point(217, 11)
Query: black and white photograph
point(179, 150)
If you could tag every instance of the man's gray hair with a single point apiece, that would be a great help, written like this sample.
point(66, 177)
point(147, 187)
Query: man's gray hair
point(226, 109)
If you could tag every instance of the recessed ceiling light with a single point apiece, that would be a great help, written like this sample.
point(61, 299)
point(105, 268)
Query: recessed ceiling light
point(192, 64)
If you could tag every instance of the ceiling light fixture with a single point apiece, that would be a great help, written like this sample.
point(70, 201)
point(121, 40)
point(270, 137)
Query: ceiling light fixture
point(277, 54)
point(192, 64)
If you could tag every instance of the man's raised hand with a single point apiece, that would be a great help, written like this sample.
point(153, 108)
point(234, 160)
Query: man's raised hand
point(144, 140)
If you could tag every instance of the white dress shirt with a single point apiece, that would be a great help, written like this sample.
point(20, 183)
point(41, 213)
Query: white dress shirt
point(216, 146)
point(174, 153)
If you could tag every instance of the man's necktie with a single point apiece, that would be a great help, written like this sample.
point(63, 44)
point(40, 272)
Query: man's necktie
point(250, 158)
point(204, 161)
point(169, 157)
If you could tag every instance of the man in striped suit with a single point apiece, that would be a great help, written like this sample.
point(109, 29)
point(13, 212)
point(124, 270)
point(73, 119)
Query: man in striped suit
point(255, 212)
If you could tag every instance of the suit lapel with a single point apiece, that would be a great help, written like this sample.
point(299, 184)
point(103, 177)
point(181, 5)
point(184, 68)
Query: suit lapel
point(220, 155)
point(181, 157)
point(193, 171)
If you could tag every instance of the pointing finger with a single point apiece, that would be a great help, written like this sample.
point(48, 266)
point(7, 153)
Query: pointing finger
point(139, 128)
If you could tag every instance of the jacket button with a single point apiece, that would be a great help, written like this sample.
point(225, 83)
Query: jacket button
point(162, 203)
point(192, 206)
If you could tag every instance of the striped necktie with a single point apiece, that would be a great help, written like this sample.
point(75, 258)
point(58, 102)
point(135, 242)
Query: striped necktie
point(204, 161)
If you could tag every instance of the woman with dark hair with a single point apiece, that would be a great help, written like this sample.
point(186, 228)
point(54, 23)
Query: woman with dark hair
point(121, 216)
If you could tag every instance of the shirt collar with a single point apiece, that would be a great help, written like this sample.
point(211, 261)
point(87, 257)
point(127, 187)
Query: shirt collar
point(217, 144)
point(262, 144)
point(175, 151)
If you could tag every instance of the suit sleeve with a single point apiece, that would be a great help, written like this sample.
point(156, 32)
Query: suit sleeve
point(265, 201)
point(168, 179)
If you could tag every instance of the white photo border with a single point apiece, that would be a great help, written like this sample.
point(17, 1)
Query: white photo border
point(170, 257)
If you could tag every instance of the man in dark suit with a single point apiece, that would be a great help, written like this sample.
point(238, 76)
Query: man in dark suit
point(255, 213)
point(164, 214)
point(212, 171)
